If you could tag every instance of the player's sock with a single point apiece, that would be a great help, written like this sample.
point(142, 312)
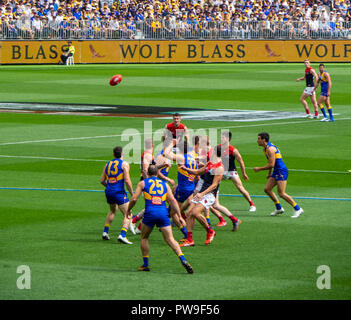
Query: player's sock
point(139, 226)
point(181, 257)
point(146, 261)
point(330, 111)
point(106, 228)
point(190, 236)
point(296, 207)
point(278, 206)
point(184, 231)
point(123, 232)
point(307, 112)
point(221, 219)
point(251, 204)
point(233, 218)
point(323, 111)
point(135, 219)
point(316, 113)
point(208, 218)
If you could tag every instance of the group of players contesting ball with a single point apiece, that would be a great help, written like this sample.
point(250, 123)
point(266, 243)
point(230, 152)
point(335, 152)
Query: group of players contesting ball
point(201, 169)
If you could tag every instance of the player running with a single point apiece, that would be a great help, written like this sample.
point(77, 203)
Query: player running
point(278, 177)
point(113, 177)
point(325, 81)
point(229, 154)
point(310, 75)
point(156, 193)
point(213, 173)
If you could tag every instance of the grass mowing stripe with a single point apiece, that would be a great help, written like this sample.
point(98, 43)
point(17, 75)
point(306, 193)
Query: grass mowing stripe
point(51, 158)
point(142, 133)
point(99, 160)
point(224, 195)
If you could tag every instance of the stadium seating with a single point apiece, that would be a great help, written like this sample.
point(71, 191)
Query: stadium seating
point(175, 19)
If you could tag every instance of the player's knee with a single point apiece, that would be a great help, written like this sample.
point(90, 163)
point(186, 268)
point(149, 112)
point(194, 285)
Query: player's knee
point(281, 194)
point(267, 190)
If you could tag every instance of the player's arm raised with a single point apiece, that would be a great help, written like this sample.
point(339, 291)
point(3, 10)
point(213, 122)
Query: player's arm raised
point(172, 156)
point(127, 180)
point(145, 165)
point(241, 163)
point(135, 196)
point(216, 180)
point(103, 177)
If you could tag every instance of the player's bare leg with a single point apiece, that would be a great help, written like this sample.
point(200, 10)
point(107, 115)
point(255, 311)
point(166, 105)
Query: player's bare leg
point(236, 222)
point(144, 245)
point(315, 105)
point(133, 222)
point(108, 221)
point(125, 224)
point(169, 239)
point(271, 183)
point(196, 212)
point(239, 185)
point(303, 98)
point(281, 186)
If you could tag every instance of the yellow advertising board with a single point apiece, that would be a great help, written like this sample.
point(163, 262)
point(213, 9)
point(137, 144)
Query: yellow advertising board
point(161, 51)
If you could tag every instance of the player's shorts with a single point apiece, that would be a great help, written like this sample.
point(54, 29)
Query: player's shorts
point(309, 91)
point(199, 185)
point(207, 200)
point(230, 174)
point(280, 174)
point(182, 195)
point(324, 93)
point(156, 218)
point(118, 198)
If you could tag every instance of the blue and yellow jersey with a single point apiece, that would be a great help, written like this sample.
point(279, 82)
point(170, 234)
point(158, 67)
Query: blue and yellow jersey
point(194, 154)
point(279, 163)
point(164, 170)
point(185, 179)
point(155, 195)
point(114, 175)
point(323, 81)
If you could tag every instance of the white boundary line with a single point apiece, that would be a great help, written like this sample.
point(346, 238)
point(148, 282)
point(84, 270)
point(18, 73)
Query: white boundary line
point(101, 160)
point(142, 133)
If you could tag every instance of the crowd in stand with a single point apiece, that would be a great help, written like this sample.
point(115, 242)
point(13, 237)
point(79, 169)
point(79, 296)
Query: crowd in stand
point(76, 19)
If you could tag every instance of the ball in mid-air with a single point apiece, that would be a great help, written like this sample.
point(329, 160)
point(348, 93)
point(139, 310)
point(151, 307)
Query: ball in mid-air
point(116, 79)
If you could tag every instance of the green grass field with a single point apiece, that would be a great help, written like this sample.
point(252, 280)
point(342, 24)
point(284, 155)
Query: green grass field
point(57, 233)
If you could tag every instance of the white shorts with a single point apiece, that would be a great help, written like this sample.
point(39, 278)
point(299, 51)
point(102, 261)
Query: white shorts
point(207, 200)
point(309, 91)
point(199, 185)
point(230, 174)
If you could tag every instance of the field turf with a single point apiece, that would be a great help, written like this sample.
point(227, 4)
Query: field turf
point(52, 207)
